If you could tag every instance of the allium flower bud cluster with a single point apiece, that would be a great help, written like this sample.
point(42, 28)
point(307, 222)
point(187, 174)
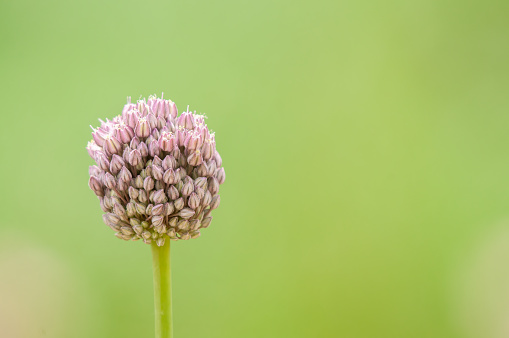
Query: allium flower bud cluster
point(157, 174)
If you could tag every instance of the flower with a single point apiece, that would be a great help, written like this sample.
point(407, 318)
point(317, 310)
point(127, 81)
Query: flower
point(157, 174)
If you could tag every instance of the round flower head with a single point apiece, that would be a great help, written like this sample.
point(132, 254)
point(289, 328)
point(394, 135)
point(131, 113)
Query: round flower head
point(158, 174)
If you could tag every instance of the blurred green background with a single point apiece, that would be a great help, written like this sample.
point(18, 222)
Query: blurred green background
point(365, 146)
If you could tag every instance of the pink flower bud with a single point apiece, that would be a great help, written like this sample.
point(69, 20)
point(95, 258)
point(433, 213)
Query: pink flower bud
point(173, 193)
point(142, 129)
point(98, 137)
point(153, 149)
point(116, 164)
point(211, 168)
point(206, 222)
point(157, 220)
point(134, 143)
point(133, 193)
point(213, 185)
point(215, 202)
point(125, 175)
point(207, 198)
point(135, 157)
point(143, 149)
point(158, 209)
point(167, 141)
point(160, 197)
point(200, 182)
point(94, 170)
point(109, 181)
point(173, 109)
point(148, 184)
point(157, 172)
point(220, 175)
point(169, 162)
point(96, 186)
point(179, 203)
point(218, 159)
point(103, 162)
point(187, 189)
point(112, 145)
point(186, 213)
point(169, 177)
point(124, 133)
point(194, 201)
point(207, 150)
point(195, 158)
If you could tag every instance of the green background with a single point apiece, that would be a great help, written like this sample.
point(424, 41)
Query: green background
point(365, 147)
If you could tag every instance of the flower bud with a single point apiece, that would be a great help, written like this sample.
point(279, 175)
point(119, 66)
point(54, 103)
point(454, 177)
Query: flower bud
point(130, 209)
point(173, 222)
point(170, 177)
point(183, 225)
point(207, 150)
point(200, 192)
point(207, 198)
point(202, 170)
point(109, 181)
point(143, 149)
point(148, 184)
point(215, 202)
point(195, 158)
point(158, 209)
point(98, 137)
point(103, 162)
point(211, 168)
point(134, 222)
point(124, 133)
point(218, 159)
point(160, 241)
point(157, 220)
point(134, 143)
point(127, 230)
point(157, 172)
point(125, 175)
point(160, 197)
point(111, 219)
point(169, 162)
point(185, 236)
point(112, 145)
point(140, 208)
point(148, 209)
point(193, 201)
point(116, 164)
point(187, 189)
point(169, 208)
point(178, 203)
point(186, 213)
point(146, 234)
point(154, 149)
point(96, 186)
point(133, 193)
point(142, 197)
point(171, 233)
point(173, 193)
point(206, 222)
point(94, 170)
point(138, 229)
point(220, 175)
point(138, 182)
point(135, 157)
point(213, 185)
point(167, 141)
point(142, 129)
point(120, 212)
point(194, 224)
point(201, 182)
point(157, 161)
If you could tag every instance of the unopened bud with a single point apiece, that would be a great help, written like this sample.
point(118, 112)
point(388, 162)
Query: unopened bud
point(194, 201)
point(173, 193)
point(207, 198)
point(116, 164)
point(158, 209)
point(157, 172)
point(135, 157)
point(173, 222)
point(206, 222)
point(186, 213)
point(220, 175)
point(160, 241)
point(213, 185)
point(169, 162)
point(179, 203)
point(169, 208)
point(143, 149)
point(138, 182)
point(169, 177)
point(195, 234)
point(157, 220)
point(215, 202)
point(96, 186)
point(111, 219)
point(125, 175)
point(109, 181)
point(160, 197)
point(187, 189)
point(183, 225)
point(148, 184)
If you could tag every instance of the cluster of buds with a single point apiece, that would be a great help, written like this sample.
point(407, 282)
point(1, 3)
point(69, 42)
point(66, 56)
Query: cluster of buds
point(157, 174)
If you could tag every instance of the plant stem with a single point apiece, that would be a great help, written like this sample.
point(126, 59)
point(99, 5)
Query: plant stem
point(162, 289)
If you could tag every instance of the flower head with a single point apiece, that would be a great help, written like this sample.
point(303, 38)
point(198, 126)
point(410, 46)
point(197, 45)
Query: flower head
point(158, 174)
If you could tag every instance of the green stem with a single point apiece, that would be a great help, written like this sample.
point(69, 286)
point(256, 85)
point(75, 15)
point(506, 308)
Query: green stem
point(162, 289)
